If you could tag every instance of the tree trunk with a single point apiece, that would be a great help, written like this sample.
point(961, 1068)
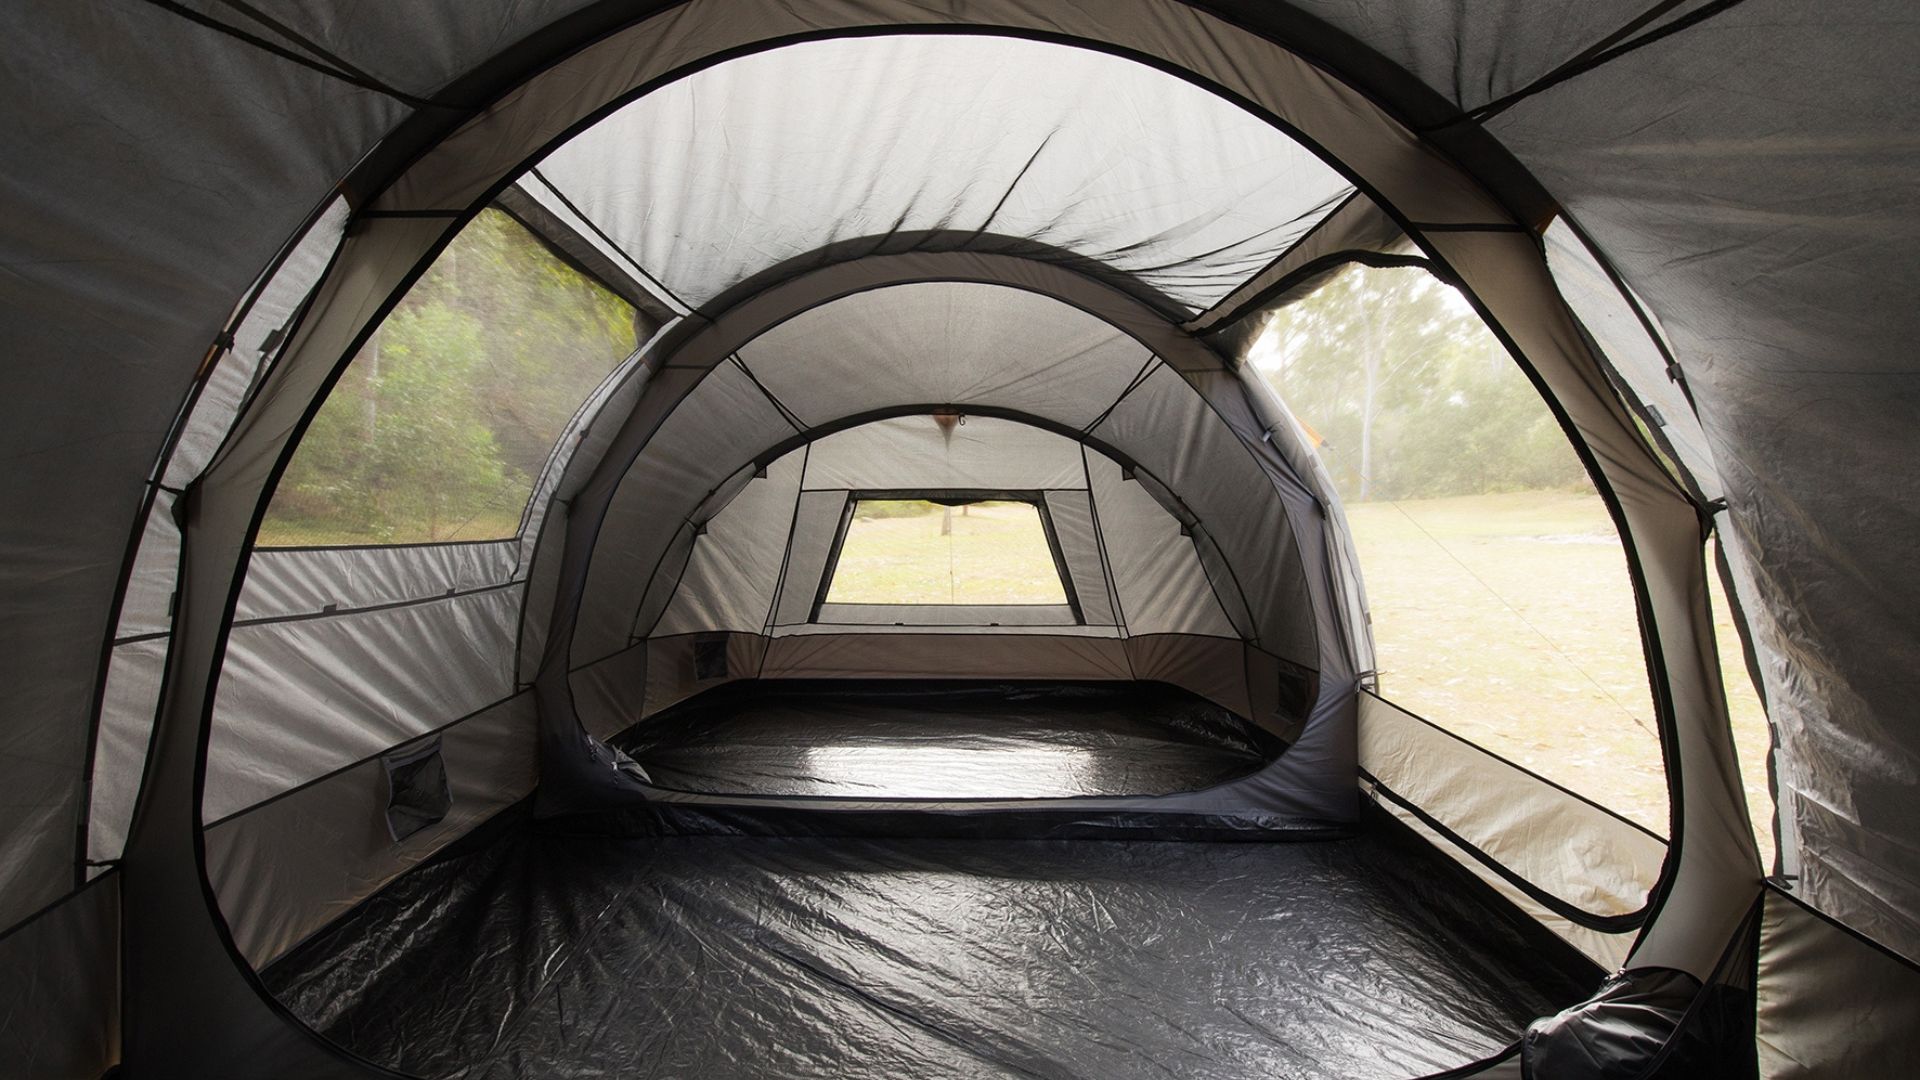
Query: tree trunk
point(1370, 366)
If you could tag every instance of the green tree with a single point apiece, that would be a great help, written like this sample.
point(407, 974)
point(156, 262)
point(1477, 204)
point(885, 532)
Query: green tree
point(1409, 392)
point(440, 425)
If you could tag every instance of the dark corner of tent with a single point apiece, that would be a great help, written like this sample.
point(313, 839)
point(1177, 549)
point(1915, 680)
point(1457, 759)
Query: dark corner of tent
point(960, 538)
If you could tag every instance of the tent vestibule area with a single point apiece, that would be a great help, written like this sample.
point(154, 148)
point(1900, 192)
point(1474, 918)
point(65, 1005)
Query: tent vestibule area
point(963, 538)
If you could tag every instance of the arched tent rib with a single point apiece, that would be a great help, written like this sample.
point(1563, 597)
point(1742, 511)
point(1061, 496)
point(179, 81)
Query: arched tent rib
point(1462, 230)
point(1433, 92)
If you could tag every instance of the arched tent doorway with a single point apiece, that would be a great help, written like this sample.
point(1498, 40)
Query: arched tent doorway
point(1386, 184)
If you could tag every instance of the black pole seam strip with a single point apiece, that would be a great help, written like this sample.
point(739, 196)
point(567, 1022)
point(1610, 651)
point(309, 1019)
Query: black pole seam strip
point(979, 492)
point(1060, 567)
point(855, 629)
point(307, 43)
point(847, 504)
point(1606, 924)
point(1059, 631)
point(791, 417)
point(1106, 563)
point(634, 637)
point(330, 774)
point(1208, 316)
point(1146, 369)
point(1468, 226)
point(340, 613)
point(619, 250)
point(1194, 536)
point(268, 548)
point(1515, 766)
point(420, 214)
point(362, 81)
point(1747, 927)
point(1327, 263)
point(1788, 894)
point(51, 906)
point(786, 553)
point(1587, 61)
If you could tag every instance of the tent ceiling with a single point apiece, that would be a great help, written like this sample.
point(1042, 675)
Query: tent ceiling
point(875, 141)
point(931, 343)
point(952, 343)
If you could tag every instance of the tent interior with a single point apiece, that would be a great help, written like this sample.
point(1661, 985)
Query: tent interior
point(740, 539)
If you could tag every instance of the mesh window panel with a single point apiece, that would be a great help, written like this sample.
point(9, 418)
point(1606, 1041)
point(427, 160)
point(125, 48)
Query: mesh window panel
point(917, 552)
point(1501, 604)
point(440, 426)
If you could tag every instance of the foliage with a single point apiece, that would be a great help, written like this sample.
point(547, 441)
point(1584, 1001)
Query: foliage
point(1411, 394)
point(441, 424)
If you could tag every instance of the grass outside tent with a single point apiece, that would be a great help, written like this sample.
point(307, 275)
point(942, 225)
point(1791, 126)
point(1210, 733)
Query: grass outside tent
point(995, 553)
point(1509, 620)
point(1505, 618)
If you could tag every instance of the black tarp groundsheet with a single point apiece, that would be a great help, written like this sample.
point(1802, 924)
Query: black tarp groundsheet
point(555, 954)
point(946, 740)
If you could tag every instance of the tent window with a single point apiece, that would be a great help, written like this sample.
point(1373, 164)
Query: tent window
point(1502, 609)
point(946, 550)
point(444, 420)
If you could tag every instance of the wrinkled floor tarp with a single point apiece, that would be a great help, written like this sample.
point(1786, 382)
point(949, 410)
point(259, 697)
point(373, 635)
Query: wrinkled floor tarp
point(552, 955)
point(946, 740)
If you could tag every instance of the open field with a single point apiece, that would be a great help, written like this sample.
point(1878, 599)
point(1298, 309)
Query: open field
point(996, 553)
point(1509, 619)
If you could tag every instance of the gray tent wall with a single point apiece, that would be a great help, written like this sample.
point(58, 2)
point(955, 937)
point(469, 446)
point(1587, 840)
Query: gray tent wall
point(1825, 607)
point(640, 521)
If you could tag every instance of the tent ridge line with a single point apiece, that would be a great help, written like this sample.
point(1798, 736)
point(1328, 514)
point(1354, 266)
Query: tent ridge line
point(59, 902)
point(1775, 885)
point(534, 171)
point(1595, 56)
point(786, 553)
point(1516, 766)
point(1210, 317)
point(330, 774)
point(342, 73)
point(1605, 924)
point(779, 406)
point(391, 605)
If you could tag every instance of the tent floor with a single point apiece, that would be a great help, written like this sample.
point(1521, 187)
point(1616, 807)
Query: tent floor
point(946, 740)
point(545, 954)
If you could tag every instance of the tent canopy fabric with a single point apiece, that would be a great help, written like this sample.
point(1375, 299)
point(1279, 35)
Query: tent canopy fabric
point(836, 224)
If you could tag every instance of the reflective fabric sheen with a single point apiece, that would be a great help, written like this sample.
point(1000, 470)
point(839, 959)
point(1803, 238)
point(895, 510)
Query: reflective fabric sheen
point(944, 740)
point(842, 958)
